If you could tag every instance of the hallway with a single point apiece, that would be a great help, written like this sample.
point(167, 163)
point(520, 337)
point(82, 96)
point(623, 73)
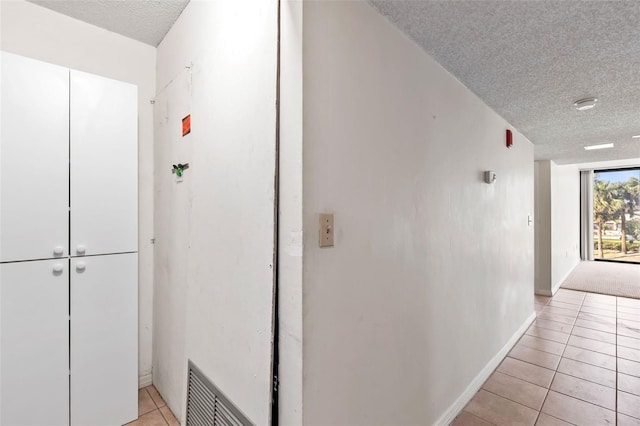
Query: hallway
point(578, 363)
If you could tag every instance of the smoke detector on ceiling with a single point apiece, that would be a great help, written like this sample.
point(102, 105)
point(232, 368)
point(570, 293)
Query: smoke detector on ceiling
point(585, 104)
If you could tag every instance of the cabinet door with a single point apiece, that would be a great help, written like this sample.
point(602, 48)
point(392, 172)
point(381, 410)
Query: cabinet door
point(104, 165)
point(34, 335)
point(104, 340)
point(34, 159)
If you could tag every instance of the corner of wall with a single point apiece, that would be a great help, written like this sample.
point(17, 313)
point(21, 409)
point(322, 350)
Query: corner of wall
point(290, 239)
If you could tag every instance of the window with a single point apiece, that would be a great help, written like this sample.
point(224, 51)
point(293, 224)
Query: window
point(616, 215)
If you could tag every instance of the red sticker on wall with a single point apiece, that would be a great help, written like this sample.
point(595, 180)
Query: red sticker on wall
point(186, 125)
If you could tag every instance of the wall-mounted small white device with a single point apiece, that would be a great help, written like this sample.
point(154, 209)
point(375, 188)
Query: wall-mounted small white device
point(489, 176)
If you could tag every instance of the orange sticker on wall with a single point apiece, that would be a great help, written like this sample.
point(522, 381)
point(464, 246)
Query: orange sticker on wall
point(186, 125)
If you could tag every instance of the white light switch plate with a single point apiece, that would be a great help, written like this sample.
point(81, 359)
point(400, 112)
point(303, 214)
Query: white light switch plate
point(326, 230)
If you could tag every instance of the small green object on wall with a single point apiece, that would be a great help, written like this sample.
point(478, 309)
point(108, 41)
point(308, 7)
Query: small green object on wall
point(179, 169)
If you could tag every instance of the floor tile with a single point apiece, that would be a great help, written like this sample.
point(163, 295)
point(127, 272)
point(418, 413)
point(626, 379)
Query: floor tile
point(565, 292)
point(625, 301)
point(516, 390)
point(545, 333)
point(541, 299)
point(629, 384)
point(598, 311)
point(629, 404)
point(594, 334)
point(629, 323)
point(533, 356)
point(467, 419)
point(552, 325)
point(588, 372)
point(576, 303)
point(547, 420)
point(155, 395)
point(631, 368)
point(574, 300)
point(542, 344)
point(593, 341)
point(172, 421)
point(585, 391)
point(525, 371)
point(595, 325)
point(562, 311)
point(577, 299)
point(629, 309)
point(629, 353)
point(600, 298)
point(145, 403)
point(154, 418)
point(597, 318)
point(565, 305)
point(500, 411)
point(629, 342)
point(629, 328)
point(629, 316)
point(627, 420)
point(599, 305)
point(575, 411)
point(590, 357)
point(592, 345)
point(604, 298)
point(555, 317)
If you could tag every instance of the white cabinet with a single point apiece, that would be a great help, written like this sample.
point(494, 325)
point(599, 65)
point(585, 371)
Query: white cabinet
point(69, 177)
point(34, 337)
point(104, 165)
point(34, 160)
point(104, 304)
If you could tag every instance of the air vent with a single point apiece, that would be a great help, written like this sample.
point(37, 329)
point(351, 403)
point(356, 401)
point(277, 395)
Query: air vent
point(207, 406)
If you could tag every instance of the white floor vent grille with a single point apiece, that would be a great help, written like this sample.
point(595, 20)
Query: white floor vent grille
point(207, 405)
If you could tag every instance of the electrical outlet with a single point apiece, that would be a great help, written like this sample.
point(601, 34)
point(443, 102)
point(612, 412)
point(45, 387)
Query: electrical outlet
point(326, 230)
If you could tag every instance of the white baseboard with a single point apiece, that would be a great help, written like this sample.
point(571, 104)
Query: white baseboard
point(484, 374)
point(559, 283)
point(144, 381)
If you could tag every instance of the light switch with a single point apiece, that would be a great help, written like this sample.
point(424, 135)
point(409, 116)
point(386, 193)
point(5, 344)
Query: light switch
point(326, 230)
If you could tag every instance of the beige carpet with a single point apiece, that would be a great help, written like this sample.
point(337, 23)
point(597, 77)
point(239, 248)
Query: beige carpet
point(617, 279)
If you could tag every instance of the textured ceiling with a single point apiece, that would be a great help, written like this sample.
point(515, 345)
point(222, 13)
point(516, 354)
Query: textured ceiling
point(147, 21)
point(530, 60)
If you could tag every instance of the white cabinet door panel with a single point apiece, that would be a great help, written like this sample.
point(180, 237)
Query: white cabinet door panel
point(34, 335)
point(104, 165)
point(34, 159)
point(104, 340)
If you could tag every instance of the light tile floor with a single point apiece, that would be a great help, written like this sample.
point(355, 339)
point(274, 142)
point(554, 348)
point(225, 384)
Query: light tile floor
point(152, 410)
point(578, 363)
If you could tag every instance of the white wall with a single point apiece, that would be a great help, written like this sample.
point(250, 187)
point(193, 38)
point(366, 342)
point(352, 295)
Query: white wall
point(565, 222)
point(542, 191)
point(290, 218)
point(432, 270)
point(557, 198)
point(215, 230)
point(39, 33)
